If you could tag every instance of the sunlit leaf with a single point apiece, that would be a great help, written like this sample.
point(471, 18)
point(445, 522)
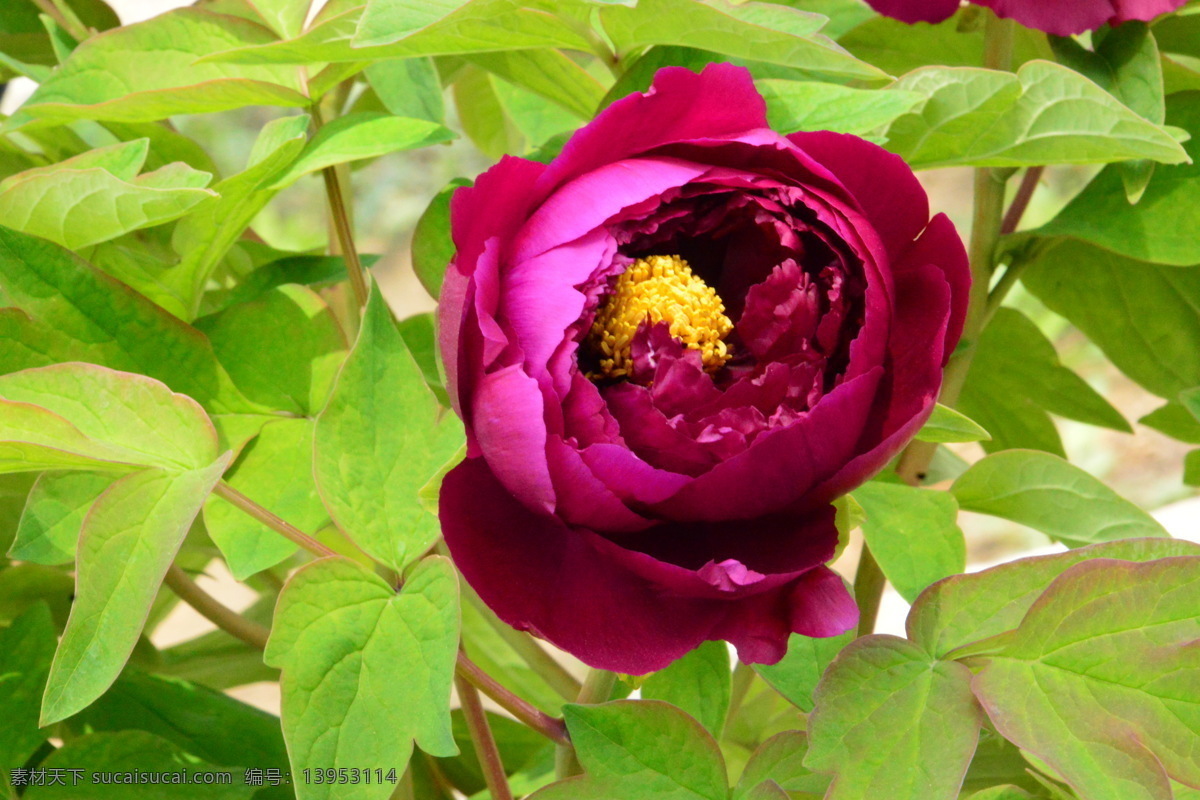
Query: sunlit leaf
point(699, 683)
point(53, 516)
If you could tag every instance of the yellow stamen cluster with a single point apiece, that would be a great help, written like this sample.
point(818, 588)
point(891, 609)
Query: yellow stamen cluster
point(659, 289)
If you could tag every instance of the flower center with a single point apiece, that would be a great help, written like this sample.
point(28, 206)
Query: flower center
point(659, 289)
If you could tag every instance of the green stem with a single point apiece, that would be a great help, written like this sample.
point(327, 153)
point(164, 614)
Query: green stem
point(215, 612)
point(743, 678)
point(65, 17)
point(339, 215)
point(597, 688)
point(481, 736)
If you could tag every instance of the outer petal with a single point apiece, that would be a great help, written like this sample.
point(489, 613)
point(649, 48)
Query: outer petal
point(941, 246)
point(1067, 17)
point(508, 424)
point(1143, 9)
point(579, 592)
point(916, 10)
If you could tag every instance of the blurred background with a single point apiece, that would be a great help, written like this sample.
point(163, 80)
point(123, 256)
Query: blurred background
point(392, 192)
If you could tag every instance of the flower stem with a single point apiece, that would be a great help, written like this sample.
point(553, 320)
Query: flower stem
point(597, 688)
point(552, 728)
point(481, 737)
point(1020, 202)
point(233, 496)
point(214, 611)
point(339, 215)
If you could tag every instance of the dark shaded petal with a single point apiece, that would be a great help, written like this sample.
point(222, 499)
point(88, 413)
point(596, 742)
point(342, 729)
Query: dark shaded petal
point(916, 10)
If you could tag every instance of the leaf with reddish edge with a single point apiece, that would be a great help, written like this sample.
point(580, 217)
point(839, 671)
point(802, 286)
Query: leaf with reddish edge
point(1099, 679)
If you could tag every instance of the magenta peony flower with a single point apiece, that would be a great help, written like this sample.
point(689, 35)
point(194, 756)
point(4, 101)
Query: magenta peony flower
point(1060, 17)
point(672, 347)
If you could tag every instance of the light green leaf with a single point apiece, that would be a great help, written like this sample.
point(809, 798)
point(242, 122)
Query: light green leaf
point(359, 659)
point(969, 608)
point(282, 349)
point(811, 106)
point(537, 119)
point(1045, 114)
point(1191, 468)
point(127, 413)
point(548, 73)
point(26, 648)
point(891, 720)
point(149, 71)
point(408, 87)
point(699, 683)
point(453, 26)
point(947, 425)
point(637, 750)
point(131, 752)
point(379, 440)
point(420, 337)
point(14, 491)
point(482, 116)
point(1158, 228)
point(203, 237)
point(25, 585)
point(1005, 792)
point(1099, 679)
point(70, 311)
point(128, 541)
point(913, 533)
point(1052, 496)
point(488, 650)
point(275, 472)
point(796, 675)
point(781, 759)
point(760, 31)
point(1019, 379)
point(358, 136)
point(285, 17)
point(432, 247)
point(53, 516)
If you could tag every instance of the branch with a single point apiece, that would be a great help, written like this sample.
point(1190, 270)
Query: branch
point(1020, 202)
point(481, 737)
point(275, 523)
point(213, 610)
point(341, 225)
point(552, 728)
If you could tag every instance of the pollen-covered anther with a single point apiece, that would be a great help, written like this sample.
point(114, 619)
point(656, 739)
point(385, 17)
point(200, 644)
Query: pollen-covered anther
point(659, 289)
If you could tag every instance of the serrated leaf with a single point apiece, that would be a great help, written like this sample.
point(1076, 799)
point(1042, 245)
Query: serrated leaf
point(913, 533)
point(1098, 680)
point(53, 516)
point(133, 752)
point(811, 106)
point(432, 247)
point(1046, 113)
point(796, 675)
point(128, 541)
point(1052, 496)
point(638, 750)
point(1158, 228)
point(70, 311)
point(760, 31)
point(26, 648)
point(379, 440)
point(149, 71)
point(358, 136)
point(698, 684)
point(890, 718)
point(355, 651)
point(781, 759)
point(947, 425)
point(969, 608)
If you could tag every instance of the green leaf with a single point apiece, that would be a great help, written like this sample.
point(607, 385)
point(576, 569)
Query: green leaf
point(70, 311)
point(483, 118)
point(1045, 114)
point(796, 675)
point(947, 425)
point(781, 759)
point(316, 272)
point(548, 73)
point(202, 721)
point(149, 71)
point(203, 237)
point(1191, 468)
point(132, 752)
point(78, 206)
point(891, 719)
point(1098, 681)
point(537, 119)
point(408, 87)
point(432, 247)
point(1019, 379)
point(128, 541)
point(53, 516)
point(451, 26)
point(760, 31)
point(810, 106)
point(1052, 496)
point(487, 648)
point(1157, 228)
point(26, 648)
point(913, 533)
point(140, 419)
point(358, 136)
point(520, 748)
point(379, 440)
point(25, 585)
point(420, 337)
point(359, 659)
point(1175, 420)
point(969, 608)
point(282, 349)
point(14, 491)
point(637, 750)
point(699, 684)
point(285, 17)
point(1105, 296)
point(276, 472)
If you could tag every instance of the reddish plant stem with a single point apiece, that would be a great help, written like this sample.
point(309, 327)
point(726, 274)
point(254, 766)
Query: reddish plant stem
point(275, 523)
point(552, 728)
point(481, 736)
point(213, 610)
point(1020, 201)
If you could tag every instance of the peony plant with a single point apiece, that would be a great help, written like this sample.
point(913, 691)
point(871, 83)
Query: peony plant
point(631, 462)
